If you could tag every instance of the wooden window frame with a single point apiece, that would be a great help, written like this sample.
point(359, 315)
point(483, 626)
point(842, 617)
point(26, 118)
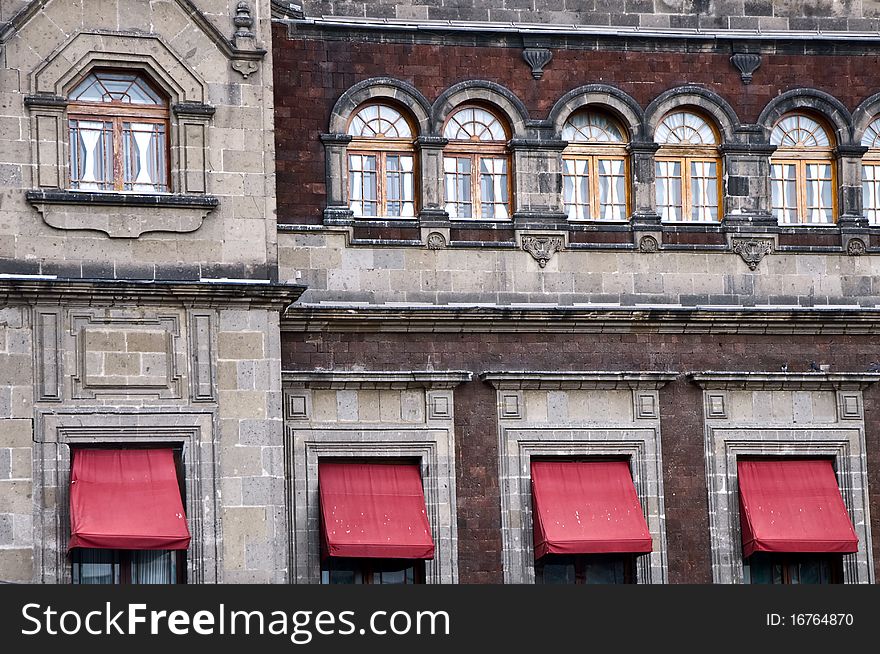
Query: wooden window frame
point(800, 158)
point(687, 154)
point(381, 148)
point(117, 113)
point(477, 150)
point(593, 155)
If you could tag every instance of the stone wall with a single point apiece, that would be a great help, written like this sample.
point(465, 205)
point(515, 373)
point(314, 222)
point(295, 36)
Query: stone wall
point(561, 345)
point(853, 15)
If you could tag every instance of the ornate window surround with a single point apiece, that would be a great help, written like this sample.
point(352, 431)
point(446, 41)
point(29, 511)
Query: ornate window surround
point(521, 438)
point(728, 436)
point(189, 129)
point(430, 439)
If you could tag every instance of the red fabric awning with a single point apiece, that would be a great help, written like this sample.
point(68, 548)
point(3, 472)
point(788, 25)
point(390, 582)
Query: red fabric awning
point(793, 505)
point(587, 508)
point(373, 510)
point(126, 499)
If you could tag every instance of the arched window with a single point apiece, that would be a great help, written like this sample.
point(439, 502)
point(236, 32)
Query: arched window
point(594, 167)
point(381, 175)
point(118, 134)
point(871, 173)
point(476, 165)
point(688, 168)
point(802, 171)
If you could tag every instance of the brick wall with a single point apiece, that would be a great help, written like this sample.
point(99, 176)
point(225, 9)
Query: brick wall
point(313, 73)
point(680, 411)
point(706, 14)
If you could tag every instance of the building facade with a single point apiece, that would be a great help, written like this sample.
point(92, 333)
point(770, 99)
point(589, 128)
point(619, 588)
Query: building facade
point(644, 230)
point(288, 243)
point(140, 299)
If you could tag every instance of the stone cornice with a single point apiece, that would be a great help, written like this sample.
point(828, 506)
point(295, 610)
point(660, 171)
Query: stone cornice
point(371, 380)
point(592, 320)
point(783, 381)
point(577, 380)
point(205, 293)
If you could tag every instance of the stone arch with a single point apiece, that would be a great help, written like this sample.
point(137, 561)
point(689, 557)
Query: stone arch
point(605, 97)
point(707, 102)
point(864, 115)
point(148, 54)
point(498, 97)
point(835, 114)
point(378, 88)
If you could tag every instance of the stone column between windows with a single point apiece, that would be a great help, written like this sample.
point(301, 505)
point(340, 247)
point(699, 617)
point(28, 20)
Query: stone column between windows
point(336, 176)
point(430, 156)
point(644, 199)
point(537, 186)
point(746, 171)
point(849, 184)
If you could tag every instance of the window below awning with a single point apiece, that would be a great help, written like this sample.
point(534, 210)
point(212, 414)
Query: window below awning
point(373, 510)
point(587, 507)
point(793, 505)
point(127, 500)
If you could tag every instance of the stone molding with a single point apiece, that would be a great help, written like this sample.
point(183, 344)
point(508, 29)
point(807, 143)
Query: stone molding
point(369, 379)
point(582, 380)
point(783, 381)
point(221, 293)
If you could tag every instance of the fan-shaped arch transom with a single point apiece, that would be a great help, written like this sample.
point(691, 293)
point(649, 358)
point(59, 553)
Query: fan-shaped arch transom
point(592, 127)
point(799, 131)
point(871, 138)
point(685, 128)
point(474, 124)
point(379, 121)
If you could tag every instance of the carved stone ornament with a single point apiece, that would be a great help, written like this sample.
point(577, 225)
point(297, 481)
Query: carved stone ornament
point(537, 58)
point(746, 64)
point(245, 67)
point(435, 241)
point(648, 244)
point(542, 248)
point(243, 20)
point(856, 247)
point(752, 250)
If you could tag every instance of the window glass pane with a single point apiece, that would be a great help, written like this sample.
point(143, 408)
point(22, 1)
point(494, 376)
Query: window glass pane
point(558, 570)
point(362, 179)
point(819, 200)
point(669, 187)
point(576, 186)
point(458, 186)
point(95, 566)
point(871, 192)
point(153, 567)
point(612, 189)
point(493, 188)
point(685, 128)
point(91, 155)
point(474, 124)
point(591, 127)
point(143, 153)
point(783, 185)
point(799, 130)
point(128, 88)
point(379, 121)
point(704, 190)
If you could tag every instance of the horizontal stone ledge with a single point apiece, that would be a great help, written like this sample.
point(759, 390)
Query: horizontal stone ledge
point(580, 319)
point(204, 293)
point(783, 381)
point(578, 380)
point(375, 380)
point(176, 200)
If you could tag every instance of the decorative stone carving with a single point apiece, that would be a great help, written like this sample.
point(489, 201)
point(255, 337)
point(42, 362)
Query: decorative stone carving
point(752, 250)
point(856, 247)
point(435, 241)
point(648, 244)
point(746, 64)
point(537, 58)
point(542, 248)
point(243, 20)
point(245, 67)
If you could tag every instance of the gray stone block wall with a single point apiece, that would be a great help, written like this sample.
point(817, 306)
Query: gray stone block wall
point(768, 15)
point(16, 446)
